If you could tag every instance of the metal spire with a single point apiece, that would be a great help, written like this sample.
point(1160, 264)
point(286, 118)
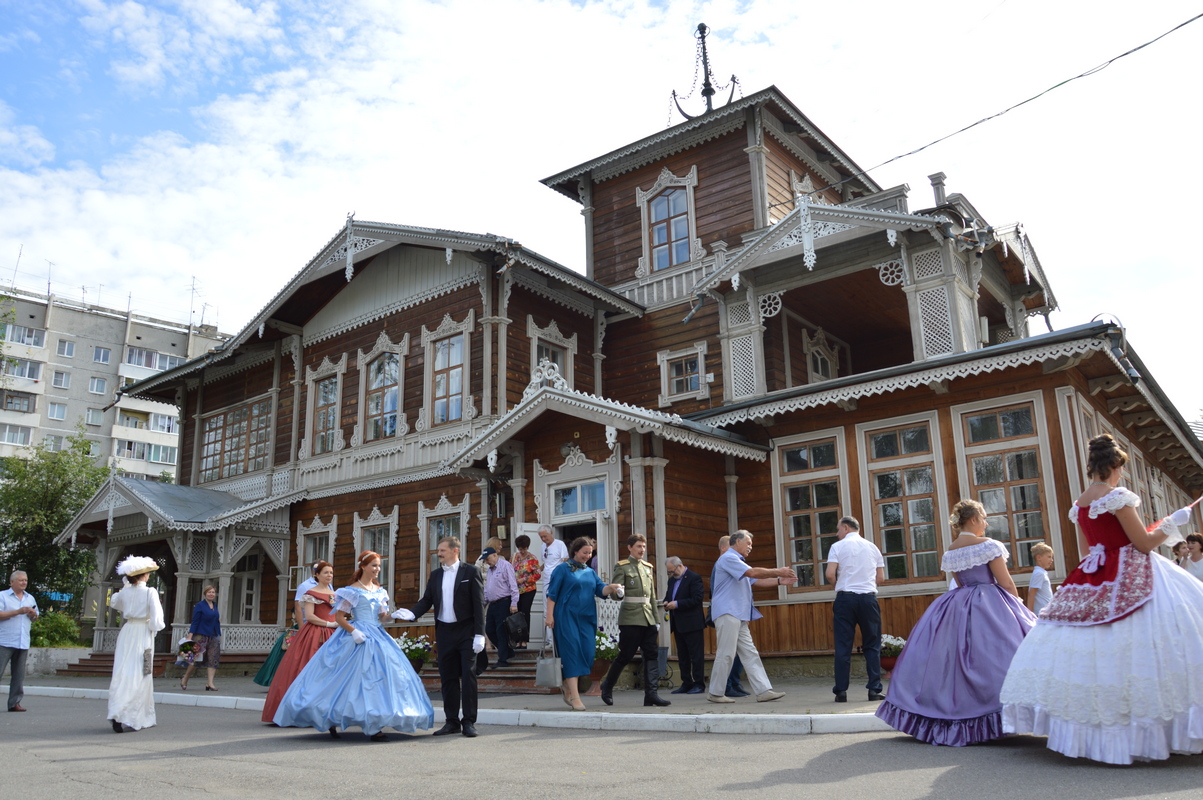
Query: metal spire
point(708, 89)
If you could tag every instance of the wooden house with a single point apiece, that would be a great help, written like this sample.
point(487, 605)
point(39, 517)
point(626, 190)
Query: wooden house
point(764, 339)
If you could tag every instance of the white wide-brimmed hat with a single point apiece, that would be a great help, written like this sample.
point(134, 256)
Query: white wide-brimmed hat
point(136, 565)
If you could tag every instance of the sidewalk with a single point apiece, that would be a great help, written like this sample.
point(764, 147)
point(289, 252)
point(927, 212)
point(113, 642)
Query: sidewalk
point(808, 707)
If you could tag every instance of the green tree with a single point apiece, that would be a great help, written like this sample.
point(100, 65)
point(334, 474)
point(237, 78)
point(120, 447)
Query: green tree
point(41, 492)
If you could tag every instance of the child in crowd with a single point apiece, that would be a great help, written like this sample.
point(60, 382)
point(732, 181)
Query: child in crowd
point(1040, 589)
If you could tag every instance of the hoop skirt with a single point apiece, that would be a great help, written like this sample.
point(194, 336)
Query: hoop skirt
point(1110, 673)
point(304, 645)
point(370, 685)
point(945, 686)
point(267, 672)
point(132, 694)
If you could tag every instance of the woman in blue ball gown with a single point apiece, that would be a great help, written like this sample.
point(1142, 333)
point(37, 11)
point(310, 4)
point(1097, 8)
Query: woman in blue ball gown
point(572, 615)
point(360, 676)
point(945, 686)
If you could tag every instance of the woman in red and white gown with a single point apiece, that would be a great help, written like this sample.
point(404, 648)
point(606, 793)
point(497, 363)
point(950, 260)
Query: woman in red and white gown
point(319, 626)
point(1110, 672)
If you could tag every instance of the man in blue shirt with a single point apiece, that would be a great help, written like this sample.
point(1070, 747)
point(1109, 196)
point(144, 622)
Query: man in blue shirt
point(18, 610)
point(732, 609)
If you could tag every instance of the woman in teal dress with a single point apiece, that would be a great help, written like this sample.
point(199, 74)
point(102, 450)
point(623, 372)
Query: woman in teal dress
point(359, 676)
point(572, 614)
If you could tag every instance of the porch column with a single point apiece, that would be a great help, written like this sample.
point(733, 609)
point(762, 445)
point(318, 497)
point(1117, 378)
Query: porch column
point(224, 579)
point(181, 612)
point(284, 602)
point(732, 498)
point(658, 462)
point(483, 516)
point(638, 495)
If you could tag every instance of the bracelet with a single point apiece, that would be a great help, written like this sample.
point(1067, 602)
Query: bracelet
point(779, 581)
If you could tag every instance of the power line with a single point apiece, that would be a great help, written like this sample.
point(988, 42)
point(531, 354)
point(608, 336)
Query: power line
point(1085, 74)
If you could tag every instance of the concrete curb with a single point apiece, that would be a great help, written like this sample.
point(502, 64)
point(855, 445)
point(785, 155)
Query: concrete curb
point(778, 724)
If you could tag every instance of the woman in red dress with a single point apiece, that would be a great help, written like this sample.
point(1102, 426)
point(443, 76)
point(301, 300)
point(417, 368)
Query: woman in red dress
point(1110, 672)
point(320, 616)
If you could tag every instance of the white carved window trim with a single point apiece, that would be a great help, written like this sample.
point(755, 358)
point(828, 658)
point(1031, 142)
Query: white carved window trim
point(551, 335)
point(665, 357)
point(443, 508)
point(373, 520)
point(363, 361)
point(448, 327)
point(667, 180)
point(326, 369)
point(818, 345)
point(317, 526)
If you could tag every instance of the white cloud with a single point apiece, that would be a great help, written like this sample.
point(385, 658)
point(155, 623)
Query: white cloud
point(21, 145)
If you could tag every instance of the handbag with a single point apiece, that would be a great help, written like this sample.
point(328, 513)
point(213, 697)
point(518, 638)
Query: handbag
point(517, 628)
point(148, 661)
point(288, 635)
point(548, 672)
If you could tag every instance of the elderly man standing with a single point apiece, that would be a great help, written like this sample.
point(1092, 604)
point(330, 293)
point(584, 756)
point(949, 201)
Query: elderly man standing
point(732, 609)
point(501, 600)
point(860, 567)
point(18, 610)
point(637, 626)
point(683, 601)
point(555, 552)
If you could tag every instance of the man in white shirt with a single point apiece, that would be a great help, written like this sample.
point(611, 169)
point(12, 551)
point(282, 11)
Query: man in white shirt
point(855, 566)
point(555, 552)
point(18, 610)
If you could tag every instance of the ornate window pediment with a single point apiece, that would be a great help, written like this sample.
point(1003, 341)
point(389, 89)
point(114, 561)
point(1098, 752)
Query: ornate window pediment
point(683, 374)
point(377, 532)
point(442, 520)
point(381, 391)
point(822, 358)
point(317, 540)
point(324, 387)
point(548, 343)
point(446, 397)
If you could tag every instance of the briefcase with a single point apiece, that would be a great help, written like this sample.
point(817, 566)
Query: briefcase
point(517, 628)
point(548, 673)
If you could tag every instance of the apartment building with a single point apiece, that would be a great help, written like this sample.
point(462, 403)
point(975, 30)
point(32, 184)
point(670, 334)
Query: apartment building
point(64, 363)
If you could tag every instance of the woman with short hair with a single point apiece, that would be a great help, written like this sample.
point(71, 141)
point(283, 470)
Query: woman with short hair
point(205, 634)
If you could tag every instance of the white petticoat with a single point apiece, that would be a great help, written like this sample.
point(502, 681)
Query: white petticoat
point(1119, 691)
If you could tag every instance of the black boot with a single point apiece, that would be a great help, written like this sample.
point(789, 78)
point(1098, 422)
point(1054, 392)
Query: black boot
point(607, 685)
point(651, 683)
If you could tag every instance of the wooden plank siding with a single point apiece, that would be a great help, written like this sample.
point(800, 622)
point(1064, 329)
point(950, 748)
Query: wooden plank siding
point(777, 164)
point(722, 204)
point(630, 373)
point(518, 343)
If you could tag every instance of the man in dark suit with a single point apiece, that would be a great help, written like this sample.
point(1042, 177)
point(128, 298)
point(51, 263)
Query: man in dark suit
point(456, 593)
point(683, 601)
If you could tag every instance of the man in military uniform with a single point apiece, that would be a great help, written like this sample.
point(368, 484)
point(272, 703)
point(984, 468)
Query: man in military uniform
point(637, 626)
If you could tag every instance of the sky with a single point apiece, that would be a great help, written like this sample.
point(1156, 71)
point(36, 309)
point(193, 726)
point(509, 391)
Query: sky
point(187, 158)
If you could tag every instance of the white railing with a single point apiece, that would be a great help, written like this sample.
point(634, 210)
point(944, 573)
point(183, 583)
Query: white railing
point(237, 638)
point(104, 640)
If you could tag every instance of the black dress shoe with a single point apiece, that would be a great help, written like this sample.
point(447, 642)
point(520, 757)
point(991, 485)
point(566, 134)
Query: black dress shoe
point(655, 700)
point(469, 730)
point(379, 737)
point(682, 689)
point(501, 664)
point(876, 696)
point(334, 732)
point(841, 697)
point(450, 727)
point(607, 694)
point(117, 727)
point(737, 693)
point(697, 688)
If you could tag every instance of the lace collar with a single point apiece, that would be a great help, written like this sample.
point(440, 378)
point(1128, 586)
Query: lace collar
point(1111, 502)
point(974, 555)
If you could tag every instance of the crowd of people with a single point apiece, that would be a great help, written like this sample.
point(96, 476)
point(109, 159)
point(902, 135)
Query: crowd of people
point(1096, 666)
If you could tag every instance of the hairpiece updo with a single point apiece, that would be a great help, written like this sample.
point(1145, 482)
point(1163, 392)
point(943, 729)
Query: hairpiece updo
point(365, 558)
point(318, 566)
point(1105, 456)
point(965, 511)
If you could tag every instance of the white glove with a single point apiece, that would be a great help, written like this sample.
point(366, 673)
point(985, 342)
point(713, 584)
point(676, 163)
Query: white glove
point(403, 614)
point(1181, 516)
point(357, 636)
point(621, 592)
point(478, 643)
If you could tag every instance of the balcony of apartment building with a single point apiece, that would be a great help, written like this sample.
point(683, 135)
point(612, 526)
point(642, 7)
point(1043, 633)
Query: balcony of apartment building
point(21, 398)
point(145, 438)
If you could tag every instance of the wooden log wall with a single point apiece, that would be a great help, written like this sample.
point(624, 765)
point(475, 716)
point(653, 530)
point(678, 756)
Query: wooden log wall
point(630, 373)
point(722, 203)
point(518, 343)
point(778, 162)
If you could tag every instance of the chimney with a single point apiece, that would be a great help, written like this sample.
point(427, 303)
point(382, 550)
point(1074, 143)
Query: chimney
point(937, 186)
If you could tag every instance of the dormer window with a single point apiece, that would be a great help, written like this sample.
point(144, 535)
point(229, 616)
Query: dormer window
point(670, 229)
point(822, 359)
point(670, 236)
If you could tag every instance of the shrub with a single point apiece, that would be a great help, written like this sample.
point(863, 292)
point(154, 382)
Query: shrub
point(53, 629)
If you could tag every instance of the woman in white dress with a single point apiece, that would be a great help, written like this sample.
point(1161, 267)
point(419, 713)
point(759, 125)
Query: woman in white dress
point(131, 691)
point(1111, 670)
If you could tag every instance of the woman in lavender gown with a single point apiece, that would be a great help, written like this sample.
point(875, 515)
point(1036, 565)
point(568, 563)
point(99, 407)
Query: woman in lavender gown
point(944, 688)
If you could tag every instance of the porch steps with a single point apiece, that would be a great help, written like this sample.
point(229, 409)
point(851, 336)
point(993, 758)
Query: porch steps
point(517, 678)
point(101, 664)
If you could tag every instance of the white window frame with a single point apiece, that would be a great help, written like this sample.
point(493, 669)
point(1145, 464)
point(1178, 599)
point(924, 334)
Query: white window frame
point(667, 180)
point(665, 357)
point(374, 520)
point(1039, 439)
point(868, 519)
point(318, 527)
point(24, 434)
point(61, 408)
point(94, 416)
point(66, 348)
point(448, 327)
point(64, 384)
point(101, 355)
point(552, 336)
point(94, 381)
point(327, 369)
point(161, 448)
point(21, 368)
point(363, 361)
point(443, 508)
point(818, 344)
point(28, 336)
point(822, 590)
point(53, 442)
